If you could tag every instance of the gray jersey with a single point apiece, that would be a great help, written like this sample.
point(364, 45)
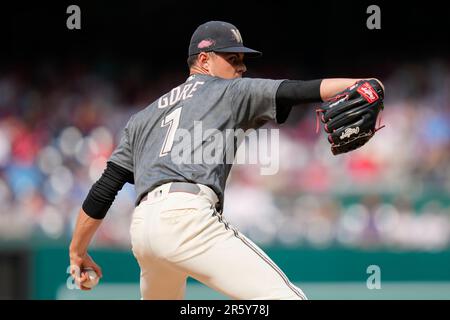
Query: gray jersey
point(212, 104)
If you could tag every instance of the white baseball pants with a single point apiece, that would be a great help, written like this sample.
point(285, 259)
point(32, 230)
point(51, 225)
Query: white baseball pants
point(179, 234)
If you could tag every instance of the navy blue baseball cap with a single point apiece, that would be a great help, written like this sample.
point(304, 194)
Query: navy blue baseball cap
point(219, 36)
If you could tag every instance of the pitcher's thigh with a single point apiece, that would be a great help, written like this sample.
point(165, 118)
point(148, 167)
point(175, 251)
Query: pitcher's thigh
point(239, 269)
point(160, 281)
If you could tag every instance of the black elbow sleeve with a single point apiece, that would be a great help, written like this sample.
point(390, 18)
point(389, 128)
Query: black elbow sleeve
point(294, 92)
point(104, 191)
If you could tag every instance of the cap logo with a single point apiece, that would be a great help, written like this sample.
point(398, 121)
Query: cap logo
point(205, 43)
point(236, 35)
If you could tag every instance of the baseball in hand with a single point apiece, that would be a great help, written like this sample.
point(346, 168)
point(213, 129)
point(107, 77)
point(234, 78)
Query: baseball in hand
point(93, 278)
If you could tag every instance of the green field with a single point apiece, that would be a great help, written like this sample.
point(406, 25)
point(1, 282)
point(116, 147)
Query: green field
point(314, 291)
point(332, 273)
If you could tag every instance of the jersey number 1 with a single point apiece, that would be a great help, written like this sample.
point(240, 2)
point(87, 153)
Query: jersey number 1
point(172, 120)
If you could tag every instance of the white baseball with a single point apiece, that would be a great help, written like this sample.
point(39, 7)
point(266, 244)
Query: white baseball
point(92, 278)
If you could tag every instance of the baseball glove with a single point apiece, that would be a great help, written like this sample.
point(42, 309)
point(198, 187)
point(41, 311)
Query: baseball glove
point(350, 116)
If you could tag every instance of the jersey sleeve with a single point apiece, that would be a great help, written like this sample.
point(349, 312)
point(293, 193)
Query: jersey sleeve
point(123, 155)
point(253, 101)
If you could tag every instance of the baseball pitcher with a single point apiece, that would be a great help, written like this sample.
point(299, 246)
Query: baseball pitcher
point(178, 229)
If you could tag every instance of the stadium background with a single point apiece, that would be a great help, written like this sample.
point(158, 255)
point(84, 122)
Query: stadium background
point(65, 95)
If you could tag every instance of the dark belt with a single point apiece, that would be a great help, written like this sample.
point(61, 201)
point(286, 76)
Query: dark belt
point(179, 187)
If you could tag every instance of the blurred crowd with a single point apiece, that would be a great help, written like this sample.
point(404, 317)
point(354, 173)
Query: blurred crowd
point(59, 126)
